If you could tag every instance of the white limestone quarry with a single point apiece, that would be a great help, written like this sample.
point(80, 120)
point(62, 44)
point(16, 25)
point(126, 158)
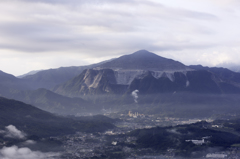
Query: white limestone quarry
point(168, 74)
point(125, 77)
point(96, 80)
point(92, 81)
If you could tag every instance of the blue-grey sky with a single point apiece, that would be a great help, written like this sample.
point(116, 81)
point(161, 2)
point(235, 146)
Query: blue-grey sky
point(42, 34)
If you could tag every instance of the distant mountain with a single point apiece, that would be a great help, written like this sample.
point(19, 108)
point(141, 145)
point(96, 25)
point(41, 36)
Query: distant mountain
point(29, 73)
point(18, 89)
point(144, 60)
point(192, 81)
point(91, 82)
point(231, 66)
point(5, 77)
point(52, 77)
point(149, 73)
point(235, 68)
point(34, 121)
point(54, 103)
point(163, 85)
point(223, 73)
point(9, 82)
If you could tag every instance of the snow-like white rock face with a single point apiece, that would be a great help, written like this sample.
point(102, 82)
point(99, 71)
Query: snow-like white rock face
point(187, 83)
point(96, 81)
point(168, 74)
point(92, 81)
point(125, 77)
point(88, 80)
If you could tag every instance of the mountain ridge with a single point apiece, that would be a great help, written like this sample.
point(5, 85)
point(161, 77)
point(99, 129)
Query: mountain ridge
point(52, 77)
point(172, 77)
point(144, 60)
point(35, 121)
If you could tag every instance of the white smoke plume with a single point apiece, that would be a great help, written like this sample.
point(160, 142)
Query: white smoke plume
point(187, 83)
point(12, 132)
point(135, 95)
point(15, 152)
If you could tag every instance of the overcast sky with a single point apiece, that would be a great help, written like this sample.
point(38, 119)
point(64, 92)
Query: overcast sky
point(43, 34)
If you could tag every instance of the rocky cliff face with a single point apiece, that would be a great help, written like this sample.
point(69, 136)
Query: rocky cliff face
point(125, 77)
point(91, 82)
point(107, 81)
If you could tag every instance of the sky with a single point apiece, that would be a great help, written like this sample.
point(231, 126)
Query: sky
point(43, 34)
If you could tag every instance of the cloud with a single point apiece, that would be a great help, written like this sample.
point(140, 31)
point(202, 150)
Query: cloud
point(15, 152)
point(79, 1)
point(12, 132)
point(225, 2)
point(90, 31)
point(63, 28)
point(29, 142)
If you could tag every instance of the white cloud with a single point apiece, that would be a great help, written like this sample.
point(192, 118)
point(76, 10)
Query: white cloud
point(12, 132)
point(38, 33)
point(29, 142)
point(15, 152)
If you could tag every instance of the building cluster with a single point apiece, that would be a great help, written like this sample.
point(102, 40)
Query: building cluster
point(135, 115)
point(216, 155)
point(199, 142)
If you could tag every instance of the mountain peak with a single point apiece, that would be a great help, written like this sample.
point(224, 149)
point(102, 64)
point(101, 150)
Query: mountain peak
point(144, 60)
point(142, 52)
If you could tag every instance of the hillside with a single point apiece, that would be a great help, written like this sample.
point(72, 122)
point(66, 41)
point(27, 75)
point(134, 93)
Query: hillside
point(52, 77)
point(10, 82)
point(188, 141)
point(34, 121)
point(54, 103)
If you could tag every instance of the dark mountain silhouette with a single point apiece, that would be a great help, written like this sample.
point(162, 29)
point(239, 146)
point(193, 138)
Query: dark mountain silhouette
point(54, 103)
point(9, 83)
point(18, 89)
point(34, 121)
point(29, 73)
point(223, 73)
point(144, 60)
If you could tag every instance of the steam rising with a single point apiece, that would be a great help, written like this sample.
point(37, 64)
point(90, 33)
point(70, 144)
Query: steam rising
point(12, 132)
point(24, 153)
point(135, 95)
point(187, 83)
